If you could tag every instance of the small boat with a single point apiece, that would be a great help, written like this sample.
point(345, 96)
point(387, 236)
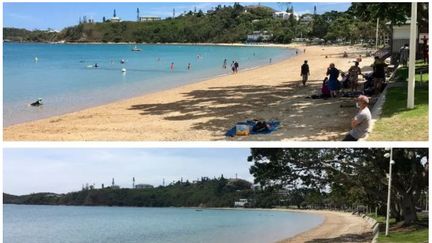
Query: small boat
point(136, 49)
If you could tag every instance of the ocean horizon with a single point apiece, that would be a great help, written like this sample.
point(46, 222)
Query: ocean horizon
point(64, 76)
point(32, 223)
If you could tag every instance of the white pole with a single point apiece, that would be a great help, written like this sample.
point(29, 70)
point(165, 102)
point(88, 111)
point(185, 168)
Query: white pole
point(389, 193)
point(412, 55)
point(376, 34)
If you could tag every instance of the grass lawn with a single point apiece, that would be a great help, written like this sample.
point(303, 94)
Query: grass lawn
point(414, 234)
point(420, 235)
point(397, 123)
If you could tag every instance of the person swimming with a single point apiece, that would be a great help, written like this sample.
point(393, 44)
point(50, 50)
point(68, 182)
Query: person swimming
point(224, 65)
point(96, 65)
point(172, 66)
point(189, 66)
point(122, 61)
point(36, 59)
point(38, 102)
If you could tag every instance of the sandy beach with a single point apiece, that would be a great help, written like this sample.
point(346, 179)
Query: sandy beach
point(337, 227)
point(204, 111)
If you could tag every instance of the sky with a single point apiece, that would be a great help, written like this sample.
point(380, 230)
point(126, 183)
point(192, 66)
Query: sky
point(64, 170)
point(60, 15)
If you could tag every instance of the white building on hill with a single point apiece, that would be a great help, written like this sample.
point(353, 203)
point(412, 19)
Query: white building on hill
point(114, 18)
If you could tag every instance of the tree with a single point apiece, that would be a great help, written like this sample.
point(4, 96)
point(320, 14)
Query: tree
point(396, 13)
point(347, 175)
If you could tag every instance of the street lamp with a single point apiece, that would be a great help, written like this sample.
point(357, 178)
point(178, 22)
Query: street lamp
point(391, 163)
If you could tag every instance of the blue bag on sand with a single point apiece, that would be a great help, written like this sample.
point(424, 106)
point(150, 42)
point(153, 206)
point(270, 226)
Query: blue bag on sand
point(270, 127)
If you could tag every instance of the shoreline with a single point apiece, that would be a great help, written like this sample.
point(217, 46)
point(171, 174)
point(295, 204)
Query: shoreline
point(201, 109)
point(336, 224)
point(170, 43)
point(174, 86)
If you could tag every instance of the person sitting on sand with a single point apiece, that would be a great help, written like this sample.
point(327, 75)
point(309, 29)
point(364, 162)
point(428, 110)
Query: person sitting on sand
point(325, 91)
point(345, 54)
point(361, 122)
point(353, 74)
point(304, 73)
point(333, 82)
point(38, 102)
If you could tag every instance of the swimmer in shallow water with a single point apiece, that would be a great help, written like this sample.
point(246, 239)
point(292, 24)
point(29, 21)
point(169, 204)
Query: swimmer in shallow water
point(38, 102)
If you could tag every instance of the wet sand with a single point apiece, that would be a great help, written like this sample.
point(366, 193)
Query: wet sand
point(204, 111)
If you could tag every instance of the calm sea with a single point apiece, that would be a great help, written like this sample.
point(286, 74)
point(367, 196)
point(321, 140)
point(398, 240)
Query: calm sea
point(62, 74)
point(25, 223)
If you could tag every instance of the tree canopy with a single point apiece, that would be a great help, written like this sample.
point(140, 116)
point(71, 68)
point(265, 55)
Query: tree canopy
point(346, 176)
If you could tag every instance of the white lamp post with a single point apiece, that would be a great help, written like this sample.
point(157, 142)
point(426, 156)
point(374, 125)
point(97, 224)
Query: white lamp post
point(391, 163)
point(412, 56)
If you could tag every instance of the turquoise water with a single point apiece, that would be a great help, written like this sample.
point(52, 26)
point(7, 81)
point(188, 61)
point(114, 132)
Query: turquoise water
point(25, 223)
point(62, 76)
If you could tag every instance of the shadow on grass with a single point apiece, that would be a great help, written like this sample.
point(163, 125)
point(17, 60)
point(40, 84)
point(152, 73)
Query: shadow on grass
point(396, 100)
point(365, 237)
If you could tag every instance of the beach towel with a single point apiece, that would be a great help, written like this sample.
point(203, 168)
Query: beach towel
point(272, 126)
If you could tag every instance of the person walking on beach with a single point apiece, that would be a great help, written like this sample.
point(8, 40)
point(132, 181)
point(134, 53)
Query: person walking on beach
point(172, 66)
point(333, 82)
point(353, 74)
point(224, 65)
point(270, 60)
point(236, 66)
point(361, 122)
point(304, 73)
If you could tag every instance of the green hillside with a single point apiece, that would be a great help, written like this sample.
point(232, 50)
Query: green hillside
point(210, 193)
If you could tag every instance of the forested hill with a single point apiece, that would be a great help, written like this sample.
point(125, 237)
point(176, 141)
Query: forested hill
point(209, 193)
point(229, 24)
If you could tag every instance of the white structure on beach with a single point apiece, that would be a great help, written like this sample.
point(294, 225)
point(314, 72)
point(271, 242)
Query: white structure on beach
point(241, 203)
point(258, 36)
point(401, 35)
